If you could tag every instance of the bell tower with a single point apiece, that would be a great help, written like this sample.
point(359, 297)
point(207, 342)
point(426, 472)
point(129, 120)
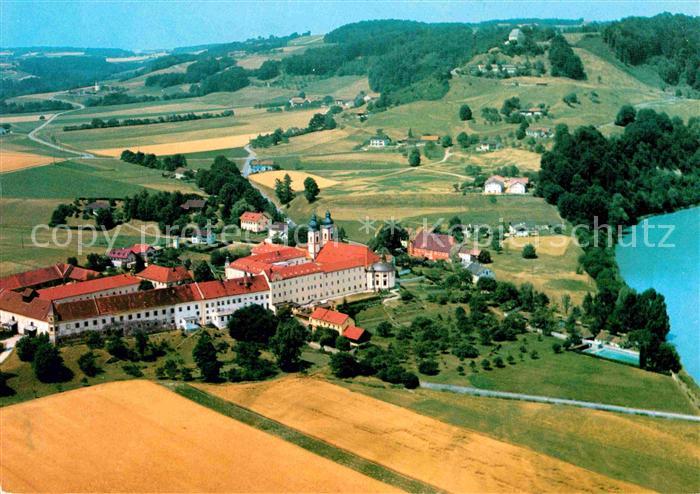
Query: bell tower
point(327, 229)
point(313, 243)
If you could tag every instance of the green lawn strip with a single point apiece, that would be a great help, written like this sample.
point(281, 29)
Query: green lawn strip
point(302, 440)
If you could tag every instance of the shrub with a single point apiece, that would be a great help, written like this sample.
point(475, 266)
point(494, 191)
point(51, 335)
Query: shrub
point(48, 364)
point(342, 343)
point(557, 347)
point(410, 380)
point(88, 364)
point(486, 364)
point(498, 361)
point(529, 252)
point(94, 340)
point(26, 347)
point(132, 370)
point(429, 367)
point(344, 365)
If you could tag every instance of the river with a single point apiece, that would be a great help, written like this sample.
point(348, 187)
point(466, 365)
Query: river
point(669, 261)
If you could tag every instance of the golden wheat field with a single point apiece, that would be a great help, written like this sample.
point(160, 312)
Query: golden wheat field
point(136, 436)
point(448, 457)
point(192, 146)
point(12, 161)
point(554, 245)
point(268, 179)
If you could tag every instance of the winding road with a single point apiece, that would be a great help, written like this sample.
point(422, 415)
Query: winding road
point(246, 173)
point(558, 401)
point(33, 134)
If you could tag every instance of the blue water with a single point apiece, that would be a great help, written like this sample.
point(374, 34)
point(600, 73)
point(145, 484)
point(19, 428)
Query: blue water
point(613, 354)
point(671, 267)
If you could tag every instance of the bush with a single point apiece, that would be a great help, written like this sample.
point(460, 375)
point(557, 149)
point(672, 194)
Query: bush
point(94, 340)
point(26, 347)
point(344, 365)
point(118, 349)
point(342, 343)
point(498, 361)
point(48, 365)
point(557, 347)
point(410, 380)
point(88, 364)
point(429, 367)
point(486, 364)
point(132, 370)
point(385, 329)
point(529, 252)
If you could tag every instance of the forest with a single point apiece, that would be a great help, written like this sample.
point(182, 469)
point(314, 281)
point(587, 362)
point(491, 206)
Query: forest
point(670, 43)
point(606, 184)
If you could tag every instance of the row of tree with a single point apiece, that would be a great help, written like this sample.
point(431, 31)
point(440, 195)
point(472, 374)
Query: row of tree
point(169, 163)
point(98, 123)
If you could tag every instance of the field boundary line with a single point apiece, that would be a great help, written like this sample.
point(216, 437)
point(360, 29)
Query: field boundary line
point(308, 442)
point(557, 401)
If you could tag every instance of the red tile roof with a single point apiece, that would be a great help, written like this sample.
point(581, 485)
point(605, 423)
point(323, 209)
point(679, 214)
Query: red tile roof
point(335, 252)
point(329, 316)
point(259, 262)
point(354, 333)
point(140, 248)
point(227, 288)
point(130, 302)
point(32, 307)
point(254, 217)
point(276, 273)
point(162, 274)
point(86, 287)
point(264, 247)
point(436, 242)
point(122, 253)
point(57, 273)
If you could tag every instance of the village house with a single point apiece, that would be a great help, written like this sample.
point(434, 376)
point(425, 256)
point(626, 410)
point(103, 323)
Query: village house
point(96, 206)
point(254, 222)
point(57, 274)
point(198, 238)
point(277, 231)
point(193, 204)
point(468, 255)
point(488, 146)
point(379, 142)
point(337, 321)
point(163, 277)
point(126, 257)
point(430, 138)
point(532, 112)
point(522, 229)
point(259, 166)
point(516, 35)
point(497, 184)
point(539, 132)
point(479, 271)
point(433, 246)
point(85, 290)
point(180, 173)
point(297, 101)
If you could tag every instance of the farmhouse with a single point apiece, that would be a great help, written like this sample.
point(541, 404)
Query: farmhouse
point(539, 132)
point(430, 138)
point(522, 229)
point(180, 173)
point(193, 204)
point(497, 184)
point(468, 255)
point(326, 318)
point(201, 237)
point(259, 166)
point(532, 112)
point(84, 290)
point(126, 257)
point(163, 277)
point(479, 271)
point(488, 146)
point(254, 222)
point(96, 206)
point(433, 246)
point(297, 101)
point(379, 142)
point(50, 276)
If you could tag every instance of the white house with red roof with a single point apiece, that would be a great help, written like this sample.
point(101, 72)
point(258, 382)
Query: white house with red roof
point(337, 321)
point(254, 222)
point(126, 257)
point(98, 287)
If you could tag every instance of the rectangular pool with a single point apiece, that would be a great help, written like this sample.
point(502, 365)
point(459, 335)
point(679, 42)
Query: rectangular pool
point(609, 353)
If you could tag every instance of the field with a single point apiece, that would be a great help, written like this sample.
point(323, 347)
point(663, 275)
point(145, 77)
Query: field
point(449, 457)
point(268, 179)
point(123, 448)
point(658, 454)
point(554, 245)
point(10, 162)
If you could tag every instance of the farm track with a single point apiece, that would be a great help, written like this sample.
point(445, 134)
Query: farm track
point(558, 401)
point(34, 137)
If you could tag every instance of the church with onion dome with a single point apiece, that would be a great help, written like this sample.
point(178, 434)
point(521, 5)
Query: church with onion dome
point(327, 269)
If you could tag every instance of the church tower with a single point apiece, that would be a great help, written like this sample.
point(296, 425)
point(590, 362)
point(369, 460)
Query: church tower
point(313, 243)
point(327, 229)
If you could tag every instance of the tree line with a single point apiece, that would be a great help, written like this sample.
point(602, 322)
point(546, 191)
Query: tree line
point(98, 123)
point(610, 183)
point(169, 163)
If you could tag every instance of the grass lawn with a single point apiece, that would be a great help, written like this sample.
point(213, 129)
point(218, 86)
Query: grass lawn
point(657, 454)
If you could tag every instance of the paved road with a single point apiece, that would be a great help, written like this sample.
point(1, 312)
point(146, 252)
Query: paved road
point(558, 401)
point(32, 135)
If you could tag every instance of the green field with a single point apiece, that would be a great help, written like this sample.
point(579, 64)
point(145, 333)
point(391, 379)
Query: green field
point(657, 454)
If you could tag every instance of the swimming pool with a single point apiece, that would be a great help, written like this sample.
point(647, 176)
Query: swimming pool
point(610, 353)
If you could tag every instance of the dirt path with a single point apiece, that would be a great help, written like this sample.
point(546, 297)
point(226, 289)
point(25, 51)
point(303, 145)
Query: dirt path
point(34, 137)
